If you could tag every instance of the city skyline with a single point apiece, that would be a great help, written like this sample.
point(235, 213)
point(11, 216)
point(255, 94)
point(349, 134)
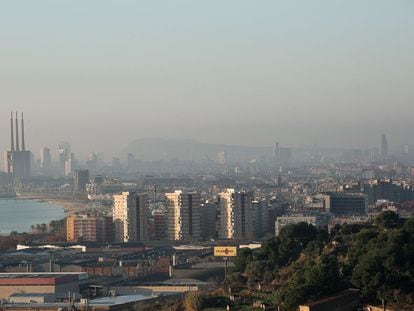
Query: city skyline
point(241, 74)
point(55, 150)
point(187, 155)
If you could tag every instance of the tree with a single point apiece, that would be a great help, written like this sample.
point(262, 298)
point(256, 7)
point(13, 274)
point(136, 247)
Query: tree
point(43, 228)
point(313, 249)
point(256, 271)
point(235, 281)
point(388, 220)
point(293, 239)
point(314, 280)
point(7, 243)
point(384, 268)
point(192, 302)
point(244, 257)
point(370, 275)
point(302, 233)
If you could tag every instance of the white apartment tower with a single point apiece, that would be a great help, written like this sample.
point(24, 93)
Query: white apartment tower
point(69, 165)
point(64, 154)
point(236, 217)
point(183, 215)
point(45, 158)
point(130, 214)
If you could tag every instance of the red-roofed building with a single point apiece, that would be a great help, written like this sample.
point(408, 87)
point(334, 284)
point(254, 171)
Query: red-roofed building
point(46, 283)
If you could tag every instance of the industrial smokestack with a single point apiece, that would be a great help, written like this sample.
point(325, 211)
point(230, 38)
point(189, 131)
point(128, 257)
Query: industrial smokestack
point(11, 132)
point(17, 134)
point(23, 147)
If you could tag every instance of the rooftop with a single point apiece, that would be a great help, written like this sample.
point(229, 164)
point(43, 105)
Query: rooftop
point(29, 295)
point(116, 300)
point(40, 275)
point(38, 278)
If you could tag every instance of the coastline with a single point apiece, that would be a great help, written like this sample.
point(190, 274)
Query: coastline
point(25, 216)
point(68, 205)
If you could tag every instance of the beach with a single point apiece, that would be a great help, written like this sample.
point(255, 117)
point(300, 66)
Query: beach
point(69, 205)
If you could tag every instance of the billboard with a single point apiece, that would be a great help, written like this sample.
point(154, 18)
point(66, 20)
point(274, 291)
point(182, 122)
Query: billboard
point(225, 251)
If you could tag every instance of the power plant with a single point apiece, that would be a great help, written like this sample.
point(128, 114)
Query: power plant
point(17, 159)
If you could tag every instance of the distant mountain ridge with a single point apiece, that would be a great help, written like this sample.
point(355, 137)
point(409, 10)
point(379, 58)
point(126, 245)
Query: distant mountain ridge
point(155, 149)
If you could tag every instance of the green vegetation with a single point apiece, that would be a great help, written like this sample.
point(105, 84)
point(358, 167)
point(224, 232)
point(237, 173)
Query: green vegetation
point(54, 232)
point(304, 263)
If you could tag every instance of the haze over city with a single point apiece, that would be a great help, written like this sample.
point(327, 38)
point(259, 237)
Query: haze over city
point(101, 74)
point(184, 155)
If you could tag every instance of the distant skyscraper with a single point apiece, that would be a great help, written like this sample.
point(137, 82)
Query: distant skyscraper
point(64, 154)
point(70, 165)
point(130, 214)
point(183, 215)
point(236, 214)
point(81, 179)
point(45, 158)
point(282, 156)
point(17, 160)
point(222, 157)
point(384, 147)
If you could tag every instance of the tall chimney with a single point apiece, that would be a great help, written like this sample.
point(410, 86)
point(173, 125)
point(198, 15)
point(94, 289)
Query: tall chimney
point(23, 147)
point(11, 132)
point(17, 134)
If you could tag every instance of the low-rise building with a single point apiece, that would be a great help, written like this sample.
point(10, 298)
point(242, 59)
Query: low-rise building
point(89, 228)
point(318, 220)
point(346, 204)
point(40, 283)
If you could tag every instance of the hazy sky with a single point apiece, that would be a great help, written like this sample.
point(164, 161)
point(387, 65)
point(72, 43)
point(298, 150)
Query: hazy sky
point(101, 73)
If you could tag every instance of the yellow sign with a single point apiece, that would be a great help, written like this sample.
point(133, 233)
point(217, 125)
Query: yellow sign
point(225, 251)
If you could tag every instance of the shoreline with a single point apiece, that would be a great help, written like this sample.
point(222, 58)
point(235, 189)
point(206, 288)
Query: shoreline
point(54, 204)
point(69, 206)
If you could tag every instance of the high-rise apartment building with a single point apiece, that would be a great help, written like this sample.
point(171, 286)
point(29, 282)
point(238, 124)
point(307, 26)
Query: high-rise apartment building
point(208, 216)
point(260, 218)
point(236, 218)
point(183, 215)
point(391, 190)
point(89, 228)
point(130, 214)
point(160, 224)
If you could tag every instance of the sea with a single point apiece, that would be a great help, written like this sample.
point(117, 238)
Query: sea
point(19, 215)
